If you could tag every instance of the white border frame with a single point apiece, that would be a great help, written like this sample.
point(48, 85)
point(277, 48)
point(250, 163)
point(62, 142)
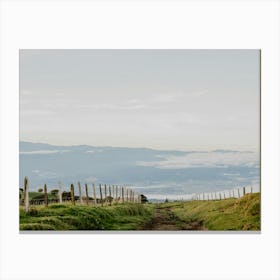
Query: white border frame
point(155, 24)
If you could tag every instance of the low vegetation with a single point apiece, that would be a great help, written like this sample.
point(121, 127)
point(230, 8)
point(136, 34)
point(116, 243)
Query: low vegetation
point(229, 214)
point(81, 217)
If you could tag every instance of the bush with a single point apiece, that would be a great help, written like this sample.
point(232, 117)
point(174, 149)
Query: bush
point(144, 198)
point(40, 190)
point(55, 192)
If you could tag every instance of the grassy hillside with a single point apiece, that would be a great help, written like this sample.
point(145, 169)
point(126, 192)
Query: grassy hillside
point(228, 214)
point(68, 217)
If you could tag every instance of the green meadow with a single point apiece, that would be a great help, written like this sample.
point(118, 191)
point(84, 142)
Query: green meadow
point(228, 214)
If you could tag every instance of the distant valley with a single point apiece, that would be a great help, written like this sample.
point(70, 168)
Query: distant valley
point(156, 173)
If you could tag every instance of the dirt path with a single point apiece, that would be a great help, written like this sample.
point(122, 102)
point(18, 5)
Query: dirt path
point(164, 219)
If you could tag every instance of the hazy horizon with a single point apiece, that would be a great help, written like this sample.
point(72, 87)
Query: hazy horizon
point(156, 173)
point(158, 99)
point(136, 147)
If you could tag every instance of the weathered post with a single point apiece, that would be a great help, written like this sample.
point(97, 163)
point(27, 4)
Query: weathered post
point(113, 193)
point(86, 187)
point(20, 197)
point(26, 195)
point(244, 191)
point(233, 193)
point(60, 192)
point(110, 196)
point(117, 194)
point(72, 194)
point(122, 195)
point(94, 194)
point(251, 189)
point(126, 195)
point(80, 193)
point(46, 195)
point(105, 195)
point(100, 189)
point(220, 196)
point(238, 193)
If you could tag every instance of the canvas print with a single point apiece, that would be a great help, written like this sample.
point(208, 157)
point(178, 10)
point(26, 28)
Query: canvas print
point(156, 140)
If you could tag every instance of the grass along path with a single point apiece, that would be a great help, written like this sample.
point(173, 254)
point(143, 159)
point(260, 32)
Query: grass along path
point(229, 214)
point(165, 219)
point(81, 217)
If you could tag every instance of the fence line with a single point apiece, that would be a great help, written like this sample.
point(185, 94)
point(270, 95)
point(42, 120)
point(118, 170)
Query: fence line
point(220, 195)
point(109, 195)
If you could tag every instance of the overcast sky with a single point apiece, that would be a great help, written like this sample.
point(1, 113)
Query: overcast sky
point(163, 99)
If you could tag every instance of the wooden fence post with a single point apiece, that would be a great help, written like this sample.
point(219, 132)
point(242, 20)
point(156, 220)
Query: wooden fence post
point(251, 189)
point(117, 194)
point(244, 191)
point(94, 194)
point(238, 193)
point(122, 195)
point(86, 187)
point(72, 194)
point(46, 195)
point(126, 195)
point(80, 193)
point(26, 195)
point(233, 193)
point(113, 192)
point(100, 189)
point(105, 194)
point(60, 191)
point(110, 196)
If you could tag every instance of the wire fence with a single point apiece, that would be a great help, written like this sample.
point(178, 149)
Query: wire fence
point(225, 194)
point(103, 195)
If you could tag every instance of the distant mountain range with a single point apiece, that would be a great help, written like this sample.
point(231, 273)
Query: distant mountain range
point(156, 173)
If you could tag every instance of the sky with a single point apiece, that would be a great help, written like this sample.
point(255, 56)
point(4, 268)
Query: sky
point(161, 99)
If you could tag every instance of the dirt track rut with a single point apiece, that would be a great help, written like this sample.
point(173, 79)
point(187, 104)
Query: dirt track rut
point(164, 219)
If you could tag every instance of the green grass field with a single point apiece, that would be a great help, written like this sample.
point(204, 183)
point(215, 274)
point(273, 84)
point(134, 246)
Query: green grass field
point(228, 214)
point(79, 217)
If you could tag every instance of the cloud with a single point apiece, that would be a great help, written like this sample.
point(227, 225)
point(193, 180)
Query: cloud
point(125, 107)
point(94, 151)
point(91, 179)
point(34, 113)
point(198, 93)
point(44, 152)
point(205, 159)
point(25, 92)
